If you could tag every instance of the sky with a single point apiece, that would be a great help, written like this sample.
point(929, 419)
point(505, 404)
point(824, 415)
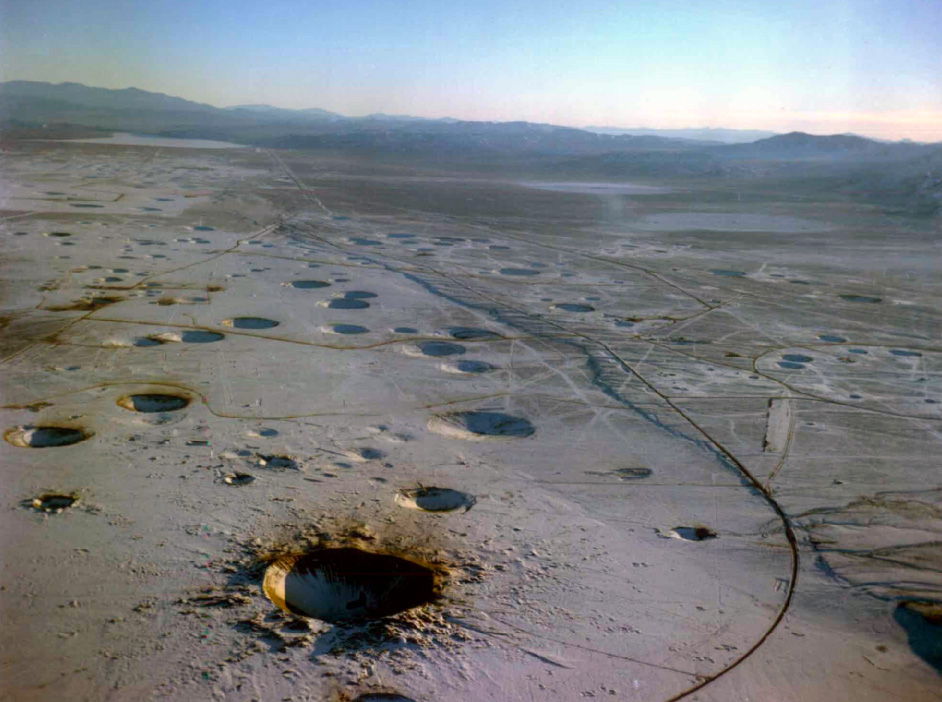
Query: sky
point(872, 67)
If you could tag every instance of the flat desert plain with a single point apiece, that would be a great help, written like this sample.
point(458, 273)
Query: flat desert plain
point(288, 426)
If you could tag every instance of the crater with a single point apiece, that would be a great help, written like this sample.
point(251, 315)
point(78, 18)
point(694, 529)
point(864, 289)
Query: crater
point(45, 436)
point(862, 298)
point(832, 338)
point(250, 323)
point(346, 329)
point(633, 472)
point(728, 273)
point(276, 462)
point(790, 365)
point(797, 358)
point(346, 303)
point(341, 585)
point(309, 284)
point(382, 697)
point(904, 352)
point(360, 295)
point(518, 271)
point(573, 307)
point(694, 533)
point(361, 455)
point(468, 366)
point(922, 621)
point(153, 402)
point(468, 333)
point(480, 425)
point(51, 502)
point(435, 499)
point(438, 349)
point(198, 336)
point(239, 479)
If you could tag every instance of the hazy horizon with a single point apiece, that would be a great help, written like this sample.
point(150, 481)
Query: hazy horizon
point(869, 67)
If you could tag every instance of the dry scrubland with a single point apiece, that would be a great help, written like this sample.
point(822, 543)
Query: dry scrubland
point(502, 442)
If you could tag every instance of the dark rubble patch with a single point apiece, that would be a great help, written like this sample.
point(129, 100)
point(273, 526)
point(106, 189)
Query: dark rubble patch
point(727, 273)
point(45, 436)
point(349, 585)
point(360, 241)
point(153, 402)
point(86, 304)
point(382, 697)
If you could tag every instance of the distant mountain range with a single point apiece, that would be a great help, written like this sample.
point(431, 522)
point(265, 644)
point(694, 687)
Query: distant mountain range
point(709, 134)
point(901, 174)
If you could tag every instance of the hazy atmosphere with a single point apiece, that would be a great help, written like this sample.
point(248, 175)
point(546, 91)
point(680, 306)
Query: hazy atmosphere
point(865, 66)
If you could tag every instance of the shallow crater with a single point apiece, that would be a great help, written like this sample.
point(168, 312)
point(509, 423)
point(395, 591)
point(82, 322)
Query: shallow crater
point(434, 499)
point(45, 436)
point(468, 367)
point(692, 533)
point(467, 333)
point(250, 323)
point(153, 402)
point(481, 425)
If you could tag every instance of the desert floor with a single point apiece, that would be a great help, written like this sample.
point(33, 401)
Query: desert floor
point(646, 443)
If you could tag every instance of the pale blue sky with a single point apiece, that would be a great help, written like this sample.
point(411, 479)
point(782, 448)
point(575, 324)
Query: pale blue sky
point(869, 66)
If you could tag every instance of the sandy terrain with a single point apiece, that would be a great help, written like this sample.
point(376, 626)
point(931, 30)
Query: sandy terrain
point(584, 459)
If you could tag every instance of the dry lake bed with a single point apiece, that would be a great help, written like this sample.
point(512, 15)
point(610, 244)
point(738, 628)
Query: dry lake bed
point(285, 427)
